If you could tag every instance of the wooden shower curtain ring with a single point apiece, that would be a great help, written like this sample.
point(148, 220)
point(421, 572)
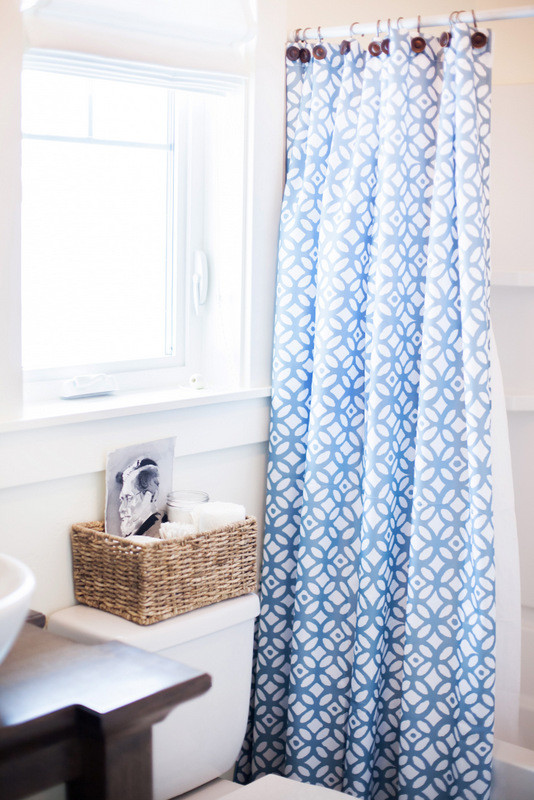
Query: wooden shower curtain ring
point(478, 39)
point(418, 43)
point(319, 51)
point(293, 52)
point(446, 36)
point(344, 47)
point(375, 48)
point(385, 42)
point(305, 54)
point(346, 43)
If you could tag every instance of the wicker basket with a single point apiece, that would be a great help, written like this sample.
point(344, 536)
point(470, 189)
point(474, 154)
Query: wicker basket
point(147, 581)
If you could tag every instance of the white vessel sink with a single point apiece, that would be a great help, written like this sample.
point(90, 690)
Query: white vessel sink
point(16, 588)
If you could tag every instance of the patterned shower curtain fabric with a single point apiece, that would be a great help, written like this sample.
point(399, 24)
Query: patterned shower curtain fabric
point(375, 648)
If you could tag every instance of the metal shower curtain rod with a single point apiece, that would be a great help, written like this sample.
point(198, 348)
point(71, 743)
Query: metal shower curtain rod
point(381, 26)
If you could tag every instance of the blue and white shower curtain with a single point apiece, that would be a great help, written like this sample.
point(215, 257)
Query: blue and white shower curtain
point(375, 658)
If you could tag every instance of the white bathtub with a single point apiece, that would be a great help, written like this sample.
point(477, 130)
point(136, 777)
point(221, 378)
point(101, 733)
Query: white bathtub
point(513, 765)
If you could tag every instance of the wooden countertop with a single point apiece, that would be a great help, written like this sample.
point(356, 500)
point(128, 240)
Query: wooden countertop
point(83, 714)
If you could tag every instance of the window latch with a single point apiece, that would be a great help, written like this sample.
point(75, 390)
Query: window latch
point(200, 280)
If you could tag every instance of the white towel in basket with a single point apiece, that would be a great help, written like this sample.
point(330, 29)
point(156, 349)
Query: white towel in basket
point(213, 515)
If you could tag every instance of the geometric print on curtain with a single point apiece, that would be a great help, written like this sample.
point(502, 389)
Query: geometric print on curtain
point(375, 646)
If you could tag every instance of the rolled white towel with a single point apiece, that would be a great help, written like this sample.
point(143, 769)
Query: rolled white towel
point(175, 530)
point(214, 515)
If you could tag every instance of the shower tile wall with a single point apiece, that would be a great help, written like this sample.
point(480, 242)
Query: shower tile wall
point(512, 218)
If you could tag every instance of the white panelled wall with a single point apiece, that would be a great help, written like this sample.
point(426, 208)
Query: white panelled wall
point(53, 470)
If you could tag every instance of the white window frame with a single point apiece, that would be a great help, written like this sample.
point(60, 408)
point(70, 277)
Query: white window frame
point(188, 206)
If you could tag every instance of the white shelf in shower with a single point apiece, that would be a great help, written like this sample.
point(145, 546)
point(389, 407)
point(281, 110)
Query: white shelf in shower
point(520, 402)
point(518, 278)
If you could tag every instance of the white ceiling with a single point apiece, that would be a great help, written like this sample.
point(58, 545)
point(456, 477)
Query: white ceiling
point(210, 21)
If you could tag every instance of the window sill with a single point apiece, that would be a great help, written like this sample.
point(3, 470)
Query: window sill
point(65, 438)
point(123, 404)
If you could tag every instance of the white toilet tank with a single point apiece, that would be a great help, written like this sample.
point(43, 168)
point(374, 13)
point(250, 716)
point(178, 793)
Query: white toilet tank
point(199, 740)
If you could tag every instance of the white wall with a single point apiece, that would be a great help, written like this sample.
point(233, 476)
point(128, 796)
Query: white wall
point(10, 64)
point(53, 473)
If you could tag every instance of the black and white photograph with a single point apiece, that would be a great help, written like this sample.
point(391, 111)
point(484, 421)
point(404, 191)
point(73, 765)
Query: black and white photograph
point(138, 480)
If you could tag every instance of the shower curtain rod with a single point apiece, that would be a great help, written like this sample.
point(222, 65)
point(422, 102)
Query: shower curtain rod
point(381, 26)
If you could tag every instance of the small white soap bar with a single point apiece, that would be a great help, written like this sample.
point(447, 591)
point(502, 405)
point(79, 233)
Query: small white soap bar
point(196, 381)
point(214, 515)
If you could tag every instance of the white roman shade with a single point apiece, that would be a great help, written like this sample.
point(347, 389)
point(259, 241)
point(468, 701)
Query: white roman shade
point(204, 34)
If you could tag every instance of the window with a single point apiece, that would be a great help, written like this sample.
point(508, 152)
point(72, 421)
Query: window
point(120, 181)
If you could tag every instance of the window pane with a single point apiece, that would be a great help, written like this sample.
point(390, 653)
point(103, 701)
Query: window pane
point(55, 105)
point(93, 254)
point(129, 112)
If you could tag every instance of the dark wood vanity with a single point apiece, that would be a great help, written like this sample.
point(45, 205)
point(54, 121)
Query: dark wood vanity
point(83, 715)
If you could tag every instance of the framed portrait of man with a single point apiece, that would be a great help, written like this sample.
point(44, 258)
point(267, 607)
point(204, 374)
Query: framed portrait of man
point(138, 480)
